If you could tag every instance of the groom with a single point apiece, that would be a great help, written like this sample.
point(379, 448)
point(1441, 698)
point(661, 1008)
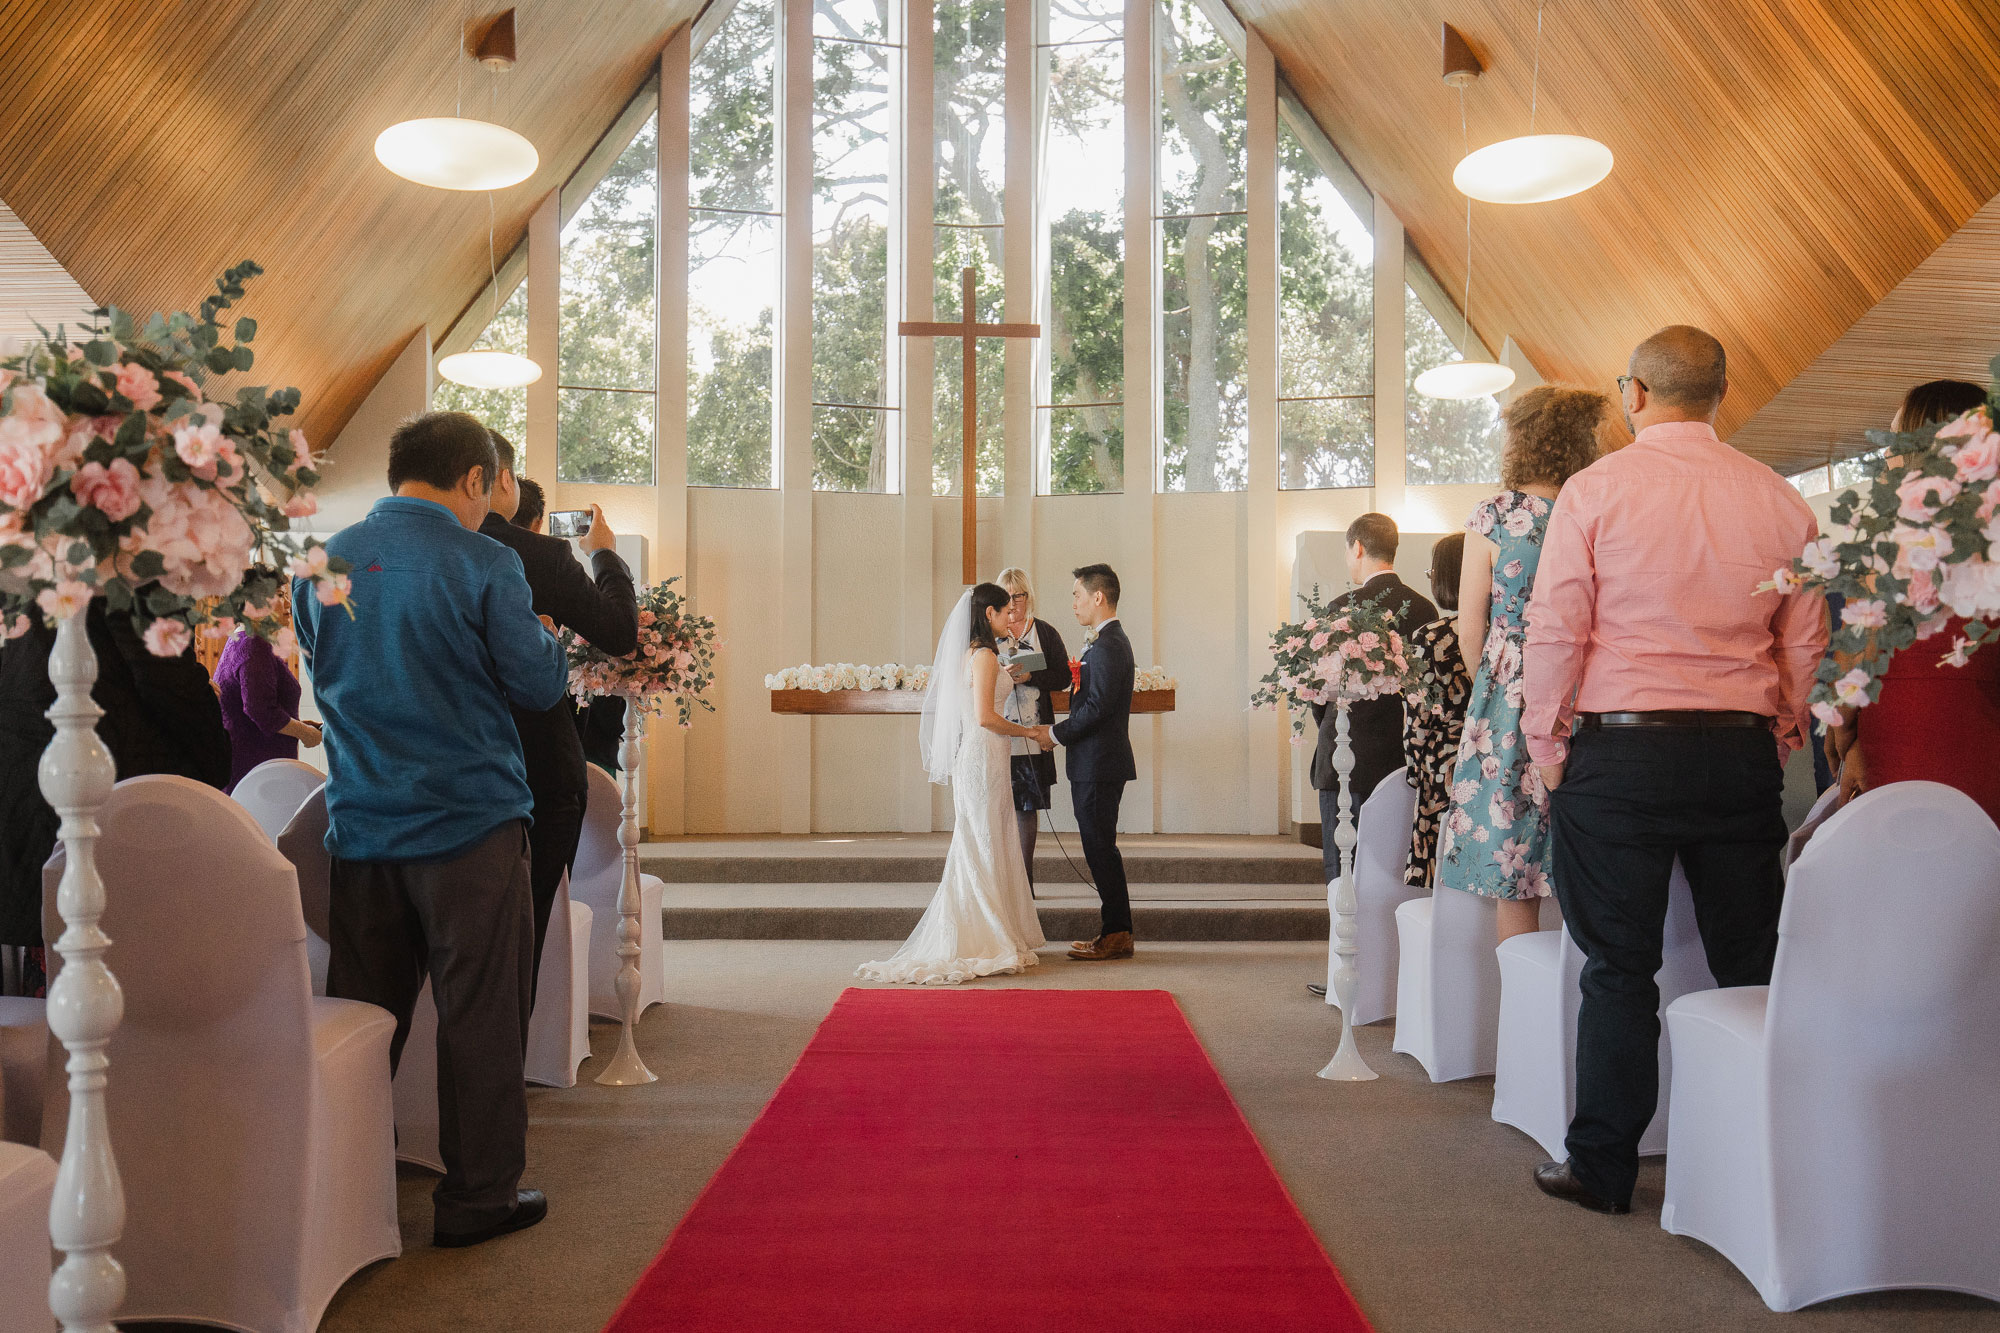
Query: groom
point(1099, 760)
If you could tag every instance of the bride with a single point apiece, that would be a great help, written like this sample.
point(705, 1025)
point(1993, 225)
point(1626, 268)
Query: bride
point(982, 920)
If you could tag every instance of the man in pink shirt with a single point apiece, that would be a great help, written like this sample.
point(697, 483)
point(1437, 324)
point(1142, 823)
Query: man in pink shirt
point(1663, 694)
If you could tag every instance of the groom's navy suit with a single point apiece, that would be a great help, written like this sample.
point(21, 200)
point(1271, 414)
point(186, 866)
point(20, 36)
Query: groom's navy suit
point(1097, 758)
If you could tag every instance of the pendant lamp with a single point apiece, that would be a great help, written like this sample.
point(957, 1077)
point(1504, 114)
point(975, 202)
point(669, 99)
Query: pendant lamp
point(490, 367)
point(1533, 168)
point(457, 152)
point(1464, 378)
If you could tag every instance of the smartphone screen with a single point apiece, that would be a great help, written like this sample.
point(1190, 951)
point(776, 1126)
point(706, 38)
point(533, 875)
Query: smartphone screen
point(569, 522)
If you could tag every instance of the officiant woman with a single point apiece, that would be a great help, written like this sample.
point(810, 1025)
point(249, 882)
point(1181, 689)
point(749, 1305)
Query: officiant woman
point(1033, 768)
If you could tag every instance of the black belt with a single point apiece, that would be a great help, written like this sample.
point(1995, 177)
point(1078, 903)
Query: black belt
point(1699, 720)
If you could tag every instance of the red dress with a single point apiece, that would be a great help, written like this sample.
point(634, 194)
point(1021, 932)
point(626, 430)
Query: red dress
point(1938, 723)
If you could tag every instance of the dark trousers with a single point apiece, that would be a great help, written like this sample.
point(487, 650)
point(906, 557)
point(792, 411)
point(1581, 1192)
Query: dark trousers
point(552, 840)
point(466, 923)
point(1096, 806)
point(1631, 801)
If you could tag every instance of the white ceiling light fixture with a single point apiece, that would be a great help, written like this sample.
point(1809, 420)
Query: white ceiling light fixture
point(456, 152)
point(1463, 378)
point(1534, 168)
point(490, 367)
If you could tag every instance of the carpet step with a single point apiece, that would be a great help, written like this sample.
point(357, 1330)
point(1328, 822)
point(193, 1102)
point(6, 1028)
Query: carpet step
point(1296, 865)
point(887, 912)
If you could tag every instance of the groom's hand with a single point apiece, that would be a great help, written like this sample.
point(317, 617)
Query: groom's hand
point(1045, 737)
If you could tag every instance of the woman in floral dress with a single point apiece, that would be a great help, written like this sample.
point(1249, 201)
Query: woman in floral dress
point(1495, 839)
point(1434, 718)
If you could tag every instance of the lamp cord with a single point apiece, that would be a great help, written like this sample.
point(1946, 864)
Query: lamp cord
point(1465, 306)
point(1535, 84)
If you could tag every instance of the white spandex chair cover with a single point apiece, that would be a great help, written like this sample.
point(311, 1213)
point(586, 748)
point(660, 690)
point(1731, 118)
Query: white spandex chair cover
point(24, 1067)
point(1534, 1079)
point(558, 1033)
point(1381, 853)
point(1448, 983)
point(1835, 1131)
point(251, 1121)
point(1822, 810)
point(274, 790)
point(595, 880)
point(27, 1182)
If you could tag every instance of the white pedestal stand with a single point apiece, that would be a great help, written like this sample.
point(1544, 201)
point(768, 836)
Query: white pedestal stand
point(87, 1214)
point(626, 1068)
point(1347, 1066)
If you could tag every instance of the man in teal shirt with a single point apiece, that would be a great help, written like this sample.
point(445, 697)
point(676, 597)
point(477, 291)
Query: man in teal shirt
point(428, 801)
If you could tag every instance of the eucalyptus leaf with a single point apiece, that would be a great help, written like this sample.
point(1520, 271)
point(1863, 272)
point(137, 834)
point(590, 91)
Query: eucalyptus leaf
point(148, 564)
point(245, 358)
point(220, 360)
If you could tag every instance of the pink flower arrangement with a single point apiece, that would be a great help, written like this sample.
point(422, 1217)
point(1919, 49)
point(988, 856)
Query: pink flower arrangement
point(674, 662)
point(1913, 548)
point(1333, 658)
point(121, 479)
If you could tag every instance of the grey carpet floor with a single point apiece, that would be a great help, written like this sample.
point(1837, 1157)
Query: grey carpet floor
point(1421, 1199)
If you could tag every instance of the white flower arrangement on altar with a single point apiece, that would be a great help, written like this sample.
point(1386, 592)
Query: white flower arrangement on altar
point(848, 676)
point(1154, 678)
point(120, 478)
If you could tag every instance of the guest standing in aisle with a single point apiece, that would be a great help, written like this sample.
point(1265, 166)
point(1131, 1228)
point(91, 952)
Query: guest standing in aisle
point(1495, 839)
point(603, 607)
point(1663, 695)
point(1434, 717)
point(1374, 726)
point(260, 699)
point(1931, 722)
point(428, 800)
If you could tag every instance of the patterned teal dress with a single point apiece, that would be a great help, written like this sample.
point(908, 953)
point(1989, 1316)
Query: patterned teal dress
point(1495, 839)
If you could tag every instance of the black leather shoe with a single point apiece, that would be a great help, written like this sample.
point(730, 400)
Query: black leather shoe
point(1556, 1180)
point(530, 1207)
point(1316, 989)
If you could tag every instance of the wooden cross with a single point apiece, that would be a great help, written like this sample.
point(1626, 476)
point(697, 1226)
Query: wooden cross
point(969, 332)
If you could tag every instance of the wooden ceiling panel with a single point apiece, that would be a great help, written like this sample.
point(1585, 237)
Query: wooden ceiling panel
point(150, 147)
point(1781, 165)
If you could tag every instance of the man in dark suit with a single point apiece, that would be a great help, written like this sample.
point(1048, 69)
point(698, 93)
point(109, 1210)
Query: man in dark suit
point(604, 609)
point(1098, 754)
point(1374, 726)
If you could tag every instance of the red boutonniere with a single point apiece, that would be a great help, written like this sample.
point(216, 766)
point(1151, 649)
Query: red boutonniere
point(1075, 674)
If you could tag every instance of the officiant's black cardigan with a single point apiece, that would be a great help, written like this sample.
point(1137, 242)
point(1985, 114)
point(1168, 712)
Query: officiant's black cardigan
point(1053, 677)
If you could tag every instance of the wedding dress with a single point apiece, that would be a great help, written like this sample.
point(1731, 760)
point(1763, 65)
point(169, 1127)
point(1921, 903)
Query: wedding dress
point(981, 922)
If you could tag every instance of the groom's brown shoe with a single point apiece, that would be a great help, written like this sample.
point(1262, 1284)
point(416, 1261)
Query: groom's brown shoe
point(1118, 944)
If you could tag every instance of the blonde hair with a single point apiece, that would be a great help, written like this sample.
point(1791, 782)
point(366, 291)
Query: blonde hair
point(1017, 580)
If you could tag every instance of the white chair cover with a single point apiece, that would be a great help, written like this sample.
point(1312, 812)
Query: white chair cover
point(251, 1121)
point(303, 842)
point(1448, 983)
point(1534, 1078)
point(274, 790)
point(416, 1088)
point(1835, 1132)
point(24, 1067)
point(1381, 852)
point(595, 880)
point(559, 1033)
point(1822, 810)
point(27, 1182)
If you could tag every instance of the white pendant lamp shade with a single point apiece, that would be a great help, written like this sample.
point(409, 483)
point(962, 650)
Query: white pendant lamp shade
point(454, 153)
point(1533, 169)
point(484, 368)
point(1464, 379)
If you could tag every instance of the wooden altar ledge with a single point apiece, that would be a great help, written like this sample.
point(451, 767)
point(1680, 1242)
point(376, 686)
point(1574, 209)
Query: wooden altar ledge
point(838, 702)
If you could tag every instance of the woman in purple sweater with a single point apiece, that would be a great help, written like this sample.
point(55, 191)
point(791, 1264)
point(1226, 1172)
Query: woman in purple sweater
point(260, 705)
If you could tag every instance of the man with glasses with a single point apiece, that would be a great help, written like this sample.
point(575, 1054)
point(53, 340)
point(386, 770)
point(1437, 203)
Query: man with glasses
point(1662, 697)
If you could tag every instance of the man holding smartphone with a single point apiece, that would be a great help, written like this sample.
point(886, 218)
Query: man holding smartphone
point(602, 606)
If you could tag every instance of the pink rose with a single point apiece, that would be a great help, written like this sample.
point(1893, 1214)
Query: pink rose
point(285, 643)
point(1864, 613)
point(1319, 640)
point(1978, 459)
point(1924, 590)
point(1341, 626)
point(199, 446)
point(647, 617)
point(113, 491)
point(301, 448)
point(1851, 690)
point(1368, 639)
point(142, 388)
point(333, 589)
point(167, 638)
point(1828, 714)
point(301, 505)
point(66, 599)
point(1923, 496)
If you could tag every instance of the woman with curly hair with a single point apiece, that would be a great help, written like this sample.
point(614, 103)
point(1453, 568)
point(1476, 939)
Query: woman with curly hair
point(1495, 837)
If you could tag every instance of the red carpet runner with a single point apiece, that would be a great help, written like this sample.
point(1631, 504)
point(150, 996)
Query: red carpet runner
point(1002, 1160)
